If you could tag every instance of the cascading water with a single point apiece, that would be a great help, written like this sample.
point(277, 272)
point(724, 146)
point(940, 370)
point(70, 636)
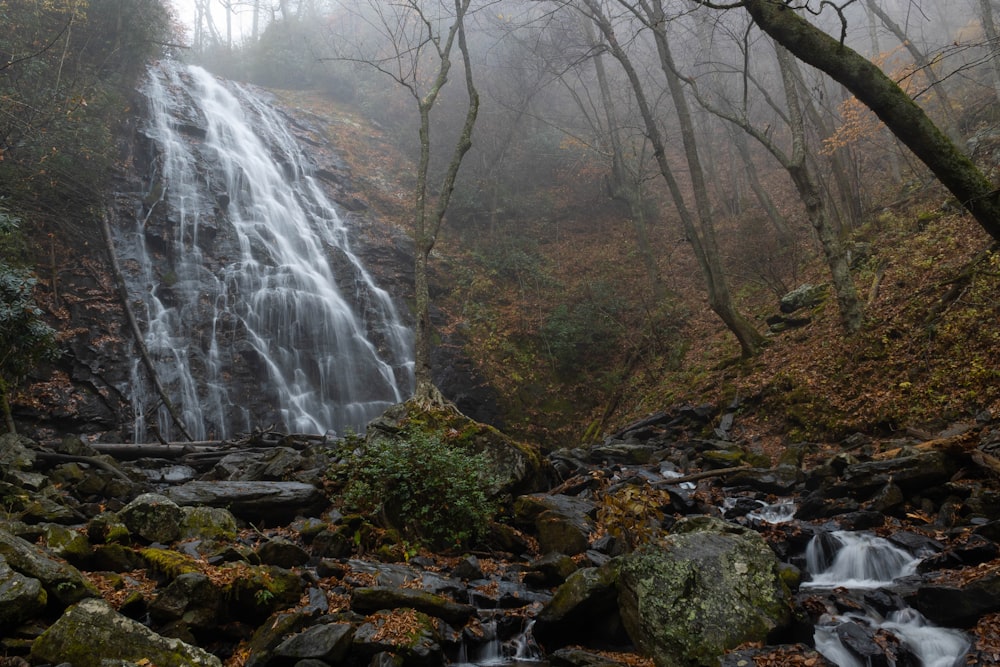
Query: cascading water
point(863, 561)
point(251, 276)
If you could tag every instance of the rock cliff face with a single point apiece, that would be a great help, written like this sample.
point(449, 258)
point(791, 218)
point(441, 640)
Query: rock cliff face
point(96, 383)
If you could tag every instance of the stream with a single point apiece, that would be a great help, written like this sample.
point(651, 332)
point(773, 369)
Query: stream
point(862, 562)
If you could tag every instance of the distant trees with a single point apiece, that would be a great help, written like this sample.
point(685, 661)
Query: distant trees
point(699, 226)
point(66, 71)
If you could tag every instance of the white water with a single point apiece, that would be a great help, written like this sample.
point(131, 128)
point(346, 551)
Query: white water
point(863, 561)
point(321, 356)
point(494, 652)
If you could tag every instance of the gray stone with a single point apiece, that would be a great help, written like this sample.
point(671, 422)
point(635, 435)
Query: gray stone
point(328, 642)
point(710, 587)
point(191, 598)
point(207, 523)
point(256, 502)
point(583, 610)
point(153, 517)
point(283, 553)
point(92, 632)
point(803, 296)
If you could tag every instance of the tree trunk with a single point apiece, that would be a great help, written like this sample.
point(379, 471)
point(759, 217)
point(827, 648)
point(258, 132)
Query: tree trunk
point(896, 109)
point(851, 311)
point(8, 417)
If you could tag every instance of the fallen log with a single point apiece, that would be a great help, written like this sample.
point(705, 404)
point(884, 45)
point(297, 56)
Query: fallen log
point(156, 450)
point(955, 445)
point(696, 476)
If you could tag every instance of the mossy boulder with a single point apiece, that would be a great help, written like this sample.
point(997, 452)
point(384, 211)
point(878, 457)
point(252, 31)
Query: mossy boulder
point(153, 517)
point(91, 632)
point(208, 523)
point(709, 587)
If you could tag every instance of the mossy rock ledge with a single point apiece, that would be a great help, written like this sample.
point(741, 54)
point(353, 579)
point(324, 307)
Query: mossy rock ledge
point(92, 632)
point(518, 467)
point(707, 588)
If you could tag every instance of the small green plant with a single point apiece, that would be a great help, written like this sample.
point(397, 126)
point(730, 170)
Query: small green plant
point(263, 596)
point(430, 489)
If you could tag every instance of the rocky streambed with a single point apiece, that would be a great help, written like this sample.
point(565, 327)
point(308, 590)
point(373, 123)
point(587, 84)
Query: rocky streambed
point(670, 539)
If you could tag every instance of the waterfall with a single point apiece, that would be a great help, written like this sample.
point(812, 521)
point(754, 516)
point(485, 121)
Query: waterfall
point(256, 309)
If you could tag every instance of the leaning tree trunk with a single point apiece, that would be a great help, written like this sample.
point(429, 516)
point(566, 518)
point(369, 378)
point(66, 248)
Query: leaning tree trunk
point(898, 111)
point(136, 332)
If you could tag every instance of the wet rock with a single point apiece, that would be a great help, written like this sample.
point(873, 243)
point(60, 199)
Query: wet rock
point(191, 598)
point(868, 646)
point(781, 480)
point(283, 553)
point(709, 588)
point(21, 597)
point(911, 473)
point(467, 568)
point(329, 642)
point(584, 610)
point(796, 654)
point(419, 646)
point(958, 605)
point(275, 464)
point(153, 517)
point(574, 657)
point(91, 632)
point(256, 502)
point(369, 599)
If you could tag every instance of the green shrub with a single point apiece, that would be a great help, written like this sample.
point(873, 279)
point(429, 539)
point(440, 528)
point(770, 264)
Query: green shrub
point(429, 489)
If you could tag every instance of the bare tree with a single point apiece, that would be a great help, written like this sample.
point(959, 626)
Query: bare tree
point(698, 228)
point(421, 36)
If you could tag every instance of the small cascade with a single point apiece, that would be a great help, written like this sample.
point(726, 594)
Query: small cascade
point(860, 561)
point(257, 311)
point(494, 650)
point(856, 560)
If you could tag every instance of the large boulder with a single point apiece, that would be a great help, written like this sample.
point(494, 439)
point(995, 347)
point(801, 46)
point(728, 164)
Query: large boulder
point(91, 633)
point(709, 587)
point(256, 502)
